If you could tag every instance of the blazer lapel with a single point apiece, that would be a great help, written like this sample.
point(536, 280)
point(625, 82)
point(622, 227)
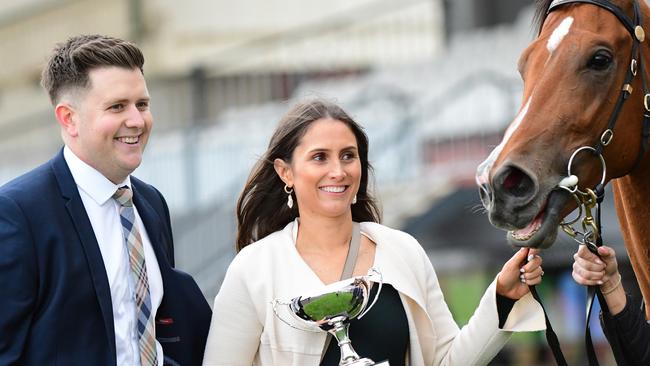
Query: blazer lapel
point(153, 225)
point(81, 222)
point(392, 265)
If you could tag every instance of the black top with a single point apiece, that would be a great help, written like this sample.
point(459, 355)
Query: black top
point(382, 334)
point(631, 332)
point(504, 305)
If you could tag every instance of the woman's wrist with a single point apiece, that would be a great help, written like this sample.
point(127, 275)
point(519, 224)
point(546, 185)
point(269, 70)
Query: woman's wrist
point(611, 285)
point(614, 294)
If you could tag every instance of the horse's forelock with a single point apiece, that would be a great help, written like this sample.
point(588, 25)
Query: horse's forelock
point(540, 13)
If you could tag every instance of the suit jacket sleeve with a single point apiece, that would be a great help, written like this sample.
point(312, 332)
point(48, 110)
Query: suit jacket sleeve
point(168, 227)
point(18, 281)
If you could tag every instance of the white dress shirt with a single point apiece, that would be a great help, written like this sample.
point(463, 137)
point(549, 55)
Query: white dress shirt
point(96, 193)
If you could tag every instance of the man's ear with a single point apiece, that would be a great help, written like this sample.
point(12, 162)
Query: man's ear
point(284, 171)
point(68, 118)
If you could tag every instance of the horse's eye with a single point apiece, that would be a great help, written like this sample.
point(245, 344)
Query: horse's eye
point(600, 60)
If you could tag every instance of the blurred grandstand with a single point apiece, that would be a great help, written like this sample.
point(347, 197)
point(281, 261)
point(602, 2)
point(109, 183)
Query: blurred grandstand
point(434, 83)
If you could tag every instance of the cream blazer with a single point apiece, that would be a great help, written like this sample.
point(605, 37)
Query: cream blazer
point(245, 331)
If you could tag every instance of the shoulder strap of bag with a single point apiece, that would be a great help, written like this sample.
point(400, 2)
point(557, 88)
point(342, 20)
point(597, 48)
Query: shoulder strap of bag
point(353, 252)
point(348, 269)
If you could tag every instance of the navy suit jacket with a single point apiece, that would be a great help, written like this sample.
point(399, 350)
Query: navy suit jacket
point(55, 301)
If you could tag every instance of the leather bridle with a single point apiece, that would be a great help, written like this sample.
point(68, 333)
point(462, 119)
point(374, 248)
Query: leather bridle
point(635, 28)
point(593, 197)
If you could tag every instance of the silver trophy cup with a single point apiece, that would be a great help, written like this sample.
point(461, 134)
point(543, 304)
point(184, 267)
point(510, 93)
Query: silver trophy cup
point(331, 309)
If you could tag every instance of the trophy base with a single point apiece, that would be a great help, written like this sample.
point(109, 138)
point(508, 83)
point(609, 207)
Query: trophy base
point(365, 362)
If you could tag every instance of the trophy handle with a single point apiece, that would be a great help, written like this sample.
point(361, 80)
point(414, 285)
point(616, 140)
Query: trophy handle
point(275, 304)
point(373, 271)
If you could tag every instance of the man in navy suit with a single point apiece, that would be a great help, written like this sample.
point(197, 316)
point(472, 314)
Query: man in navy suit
point(69, 294)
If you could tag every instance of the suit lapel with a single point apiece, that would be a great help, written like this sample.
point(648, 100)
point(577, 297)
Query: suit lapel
point(82, 225)
point(153, 224)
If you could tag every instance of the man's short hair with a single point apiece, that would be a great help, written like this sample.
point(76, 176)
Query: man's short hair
point(72, 60)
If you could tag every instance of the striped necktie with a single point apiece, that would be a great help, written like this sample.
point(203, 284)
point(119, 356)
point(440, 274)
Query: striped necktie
point(145, 324)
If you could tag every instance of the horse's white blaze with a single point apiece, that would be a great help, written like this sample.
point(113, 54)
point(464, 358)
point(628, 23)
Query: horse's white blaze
point(558, 34)
point(483, 170)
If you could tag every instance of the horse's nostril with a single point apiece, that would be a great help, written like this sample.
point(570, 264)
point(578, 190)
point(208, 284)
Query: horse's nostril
point(517, 183)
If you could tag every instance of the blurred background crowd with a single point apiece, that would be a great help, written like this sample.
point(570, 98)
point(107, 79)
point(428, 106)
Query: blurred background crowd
point(434, 82)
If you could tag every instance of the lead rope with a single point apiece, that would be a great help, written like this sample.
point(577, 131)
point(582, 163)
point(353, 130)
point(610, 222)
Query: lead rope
point(593, 291)
point(592, 239)
point(551, 337)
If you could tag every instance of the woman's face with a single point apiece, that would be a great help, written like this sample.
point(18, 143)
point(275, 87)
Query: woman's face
point(325, 171)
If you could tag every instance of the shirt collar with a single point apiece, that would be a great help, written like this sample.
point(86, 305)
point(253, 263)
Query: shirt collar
point(91, 181)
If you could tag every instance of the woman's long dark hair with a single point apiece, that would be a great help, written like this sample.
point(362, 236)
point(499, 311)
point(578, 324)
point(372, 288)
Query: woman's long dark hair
point(262, 206)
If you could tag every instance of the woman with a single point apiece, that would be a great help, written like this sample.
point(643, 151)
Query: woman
point(624, 323)
point(295, 220)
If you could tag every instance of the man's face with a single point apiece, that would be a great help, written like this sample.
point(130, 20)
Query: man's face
point(113, 122)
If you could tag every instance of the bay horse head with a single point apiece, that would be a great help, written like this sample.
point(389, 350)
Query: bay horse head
point(583, 95)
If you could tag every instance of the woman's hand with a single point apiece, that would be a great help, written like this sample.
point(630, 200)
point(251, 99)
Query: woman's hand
point(589, 270)
point(516, 274)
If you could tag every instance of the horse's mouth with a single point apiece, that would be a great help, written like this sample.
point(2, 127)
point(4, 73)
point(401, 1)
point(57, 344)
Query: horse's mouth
point(542, 230)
